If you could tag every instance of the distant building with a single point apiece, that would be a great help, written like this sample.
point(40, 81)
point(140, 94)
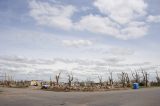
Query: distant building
point(36, 83)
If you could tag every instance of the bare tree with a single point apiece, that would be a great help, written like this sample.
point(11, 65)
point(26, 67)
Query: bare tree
point(145, 77)
point(70, 79)
point(158, 78)
point(111, 79)
point(50, 82)
point(122, 78)
point(127, 79)
point(89, 82)
point(100, 81)
point(57, 78)
point(136, 76)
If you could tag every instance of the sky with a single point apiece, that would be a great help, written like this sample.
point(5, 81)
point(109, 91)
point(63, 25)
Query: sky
point(89, 38)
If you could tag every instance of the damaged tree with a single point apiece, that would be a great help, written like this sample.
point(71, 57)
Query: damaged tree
point(100, 81)
point(111, 79)
point(70, 79)
point(124, 79)
point(157, 78)
point(127, 80)
point(57, 78)
point(136, 77)
point(145, 77)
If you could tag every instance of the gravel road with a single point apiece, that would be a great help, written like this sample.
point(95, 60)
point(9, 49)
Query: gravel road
point(28, 97)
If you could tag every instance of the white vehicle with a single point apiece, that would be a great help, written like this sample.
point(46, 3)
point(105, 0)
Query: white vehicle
point(45, 86)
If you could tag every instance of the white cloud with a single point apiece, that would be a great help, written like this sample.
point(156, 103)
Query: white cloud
point(44, 68)
point(154, 19)
point(121, 19)
point(97, 24)
point(120, 51)
point(77, 43)
point(133, 32)
point(104, 25)
point(52, 15)
point(122, 11)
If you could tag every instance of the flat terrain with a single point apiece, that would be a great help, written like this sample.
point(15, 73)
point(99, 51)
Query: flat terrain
point(28, 97)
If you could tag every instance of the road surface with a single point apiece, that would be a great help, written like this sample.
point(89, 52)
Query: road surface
point(28, 97)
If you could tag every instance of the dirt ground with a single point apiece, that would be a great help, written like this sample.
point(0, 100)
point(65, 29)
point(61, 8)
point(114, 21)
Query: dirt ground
point(29, 97)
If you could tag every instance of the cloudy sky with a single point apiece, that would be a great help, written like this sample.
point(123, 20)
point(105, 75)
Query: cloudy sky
point(39, 38)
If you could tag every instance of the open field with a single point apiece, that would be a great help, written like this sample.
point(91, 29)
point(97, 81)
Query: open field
point(28, 97)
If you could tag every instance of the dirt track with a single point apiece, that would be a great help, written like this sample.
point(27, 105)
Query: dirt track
point(28, 97)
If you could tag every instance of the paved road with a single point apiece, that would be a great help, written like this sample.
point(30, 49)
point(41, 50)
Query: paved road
point(27, 97)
